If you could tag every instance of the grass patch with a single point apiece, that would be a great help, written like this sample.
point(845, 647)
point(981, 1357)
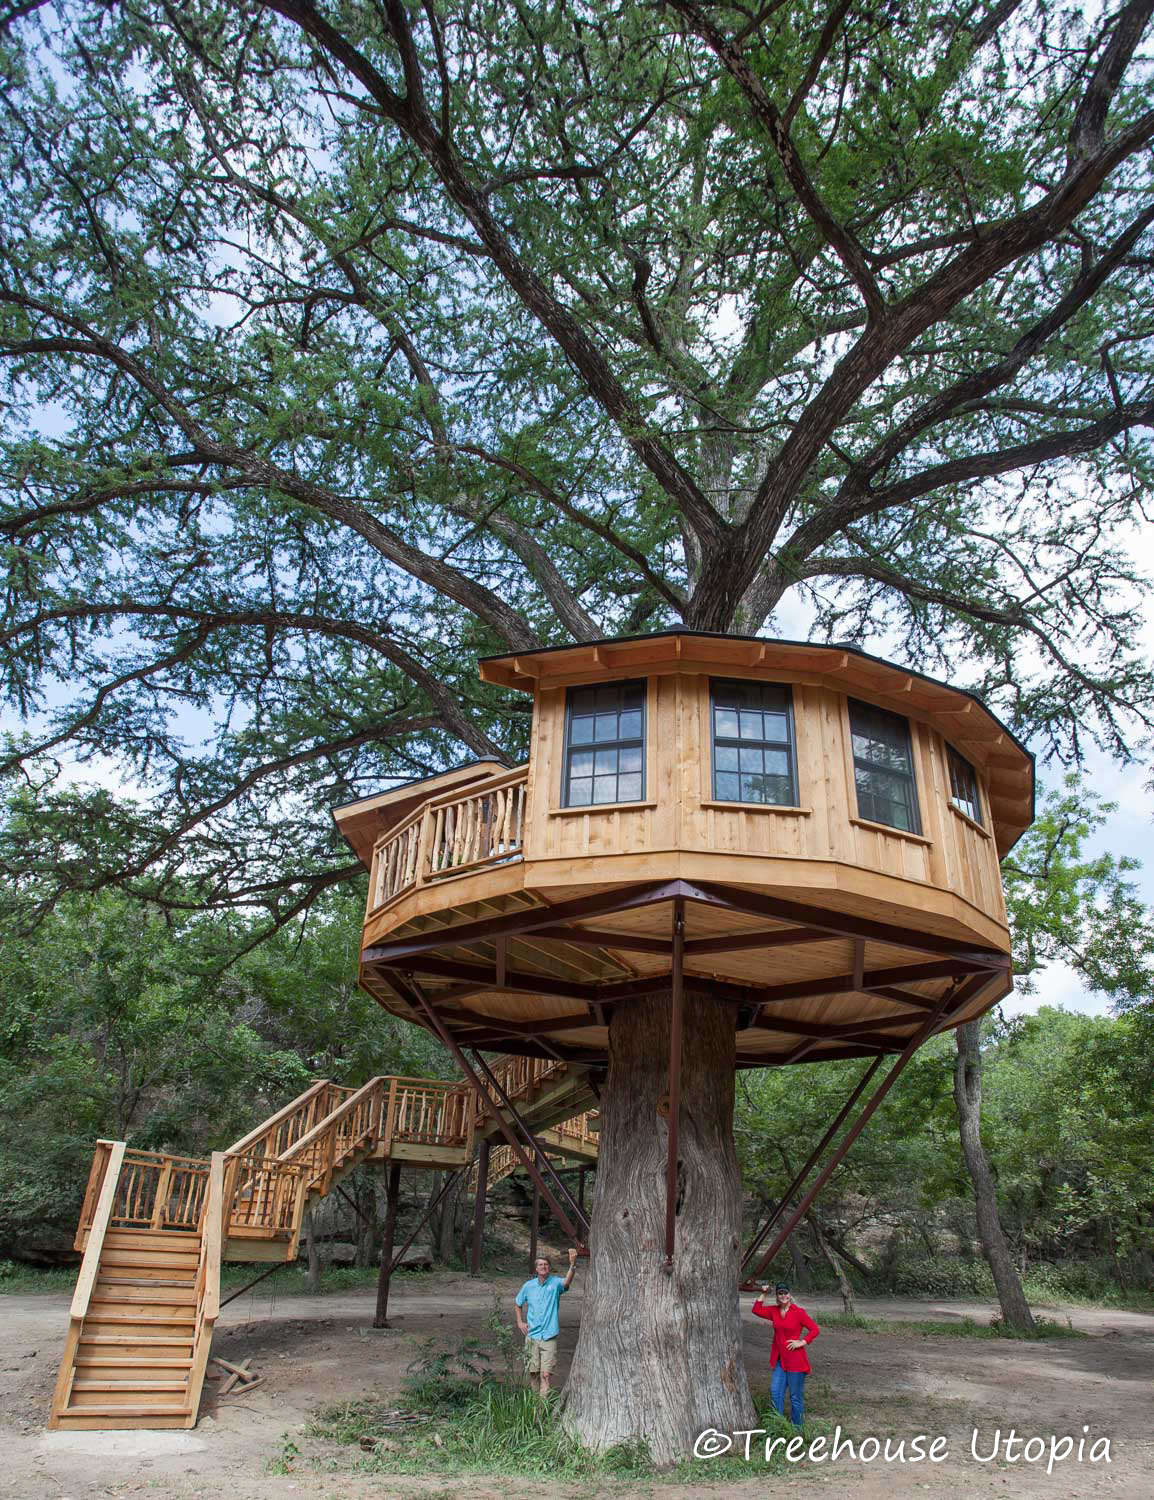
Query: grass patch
point(956, 1328)
point(456, 1417)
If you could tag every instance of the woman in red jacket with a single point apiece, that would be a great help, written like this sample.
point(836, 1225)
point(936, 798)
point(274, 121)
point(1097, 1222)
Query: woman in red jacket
point(793, 1330)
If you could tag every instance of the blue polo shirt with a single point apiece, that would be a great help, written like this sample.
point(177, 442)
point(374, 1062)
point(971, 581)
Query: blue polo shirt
point(542, 1301)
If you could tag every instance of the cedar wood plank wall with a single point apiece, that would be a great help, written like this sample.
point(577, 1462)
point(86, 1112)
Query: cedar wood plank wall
point(952, 855)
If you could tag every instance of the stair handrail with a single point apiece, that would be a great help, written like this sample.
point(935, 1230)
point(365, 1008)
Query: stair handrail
point(101, 1218)
point(89, 1267)
point(266, 1127)
point(208, 1278)
point(330, 1122)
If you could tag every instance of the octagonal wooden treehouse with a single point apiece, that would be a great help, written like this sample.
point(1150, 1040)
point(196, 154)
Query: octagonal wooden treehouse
point(808, 831)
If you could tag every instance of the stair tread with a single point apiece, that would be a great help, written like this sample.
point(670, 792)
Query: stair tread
point(131, 1362)
point(141, 1319)
point(188, 1284)
point(129, 1385)
point(125, 1411)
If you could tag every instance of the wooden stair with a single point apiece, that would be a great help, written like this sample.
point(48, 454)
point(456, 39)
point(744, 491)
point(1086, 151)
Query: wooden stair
point(155, 1228)
point(147, 1295)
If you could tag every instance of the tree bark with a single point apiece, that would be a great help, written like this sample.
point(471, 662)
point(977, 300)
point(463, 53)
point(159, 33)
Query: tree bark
point(660, 1356)
point(968, 1094)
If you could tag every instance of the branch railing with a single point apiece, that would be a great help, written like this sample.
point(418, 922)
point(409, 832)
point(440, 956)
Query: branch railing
point(485, 826)
point(459, 831)
point(426, 1112)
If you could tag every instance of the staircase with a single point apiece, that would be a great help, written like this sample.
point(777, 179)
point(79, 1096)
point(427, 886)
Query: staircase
point(154, 1228)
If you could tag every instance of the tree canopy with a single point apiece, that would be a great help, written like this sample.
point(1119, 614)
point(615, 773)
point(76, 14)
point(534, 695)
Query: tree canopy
point(342, 343)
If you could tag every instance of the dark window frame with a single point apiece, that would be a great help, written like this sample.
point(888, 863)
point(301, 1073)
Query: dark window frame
point(595, 745)
point(963, 804)
point(862, 763)
point(789, 746)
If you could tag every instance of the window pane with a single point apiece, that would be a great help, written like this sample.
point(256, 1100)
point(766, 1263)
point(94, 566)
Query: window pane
point(964, 787)
point(775, 791)
point(880, 737)
point(883, 767)
point(605, 740)
point(752, 736)
point(885, 798)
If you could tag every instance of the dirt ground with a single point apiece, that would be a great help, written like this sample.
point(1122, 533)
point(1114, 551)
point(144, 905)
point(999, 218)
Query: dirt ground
point(312, 1351)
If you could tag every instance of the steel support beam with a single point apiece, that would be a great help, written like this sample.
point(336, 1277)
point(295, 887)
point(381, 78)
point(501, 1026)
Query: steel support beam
point(814, 1157)
point(392, 1200)
point(949, 1005)
point(491, 1109)
point(479, 1201)
point(673, 1123)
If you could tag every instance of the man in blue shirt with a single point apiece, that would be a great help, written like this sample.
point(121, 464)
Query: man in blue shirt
point(541, 1296)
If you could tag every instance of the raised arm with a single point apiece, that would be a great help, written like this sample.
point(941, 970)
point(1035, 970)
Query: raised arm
point(568, 1282)
point(760, 1308)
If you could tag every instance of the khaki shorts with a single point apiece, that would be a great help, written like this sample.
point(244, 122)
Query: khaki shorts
point(540, 1356)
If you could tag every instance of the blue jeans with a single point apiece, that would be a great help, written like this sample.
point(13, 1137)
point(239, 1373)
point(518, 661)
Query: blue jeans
point(795, 1380)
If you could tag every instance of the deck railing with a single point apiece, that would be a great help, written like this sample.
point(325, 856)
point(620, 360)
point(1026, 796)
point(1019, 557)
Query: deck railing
point(484, 825)
point(424, 1112)
point(579, 1128)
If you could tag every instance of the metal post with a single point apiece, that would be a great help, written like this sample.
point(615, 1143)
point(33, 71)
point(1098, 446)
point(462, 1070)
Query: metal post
point(413, 994)
point(951, 1001)
point(676, 990)
point(581, 1188)
point(815, 1156)
point(392, 1199)
point(534, 1227)
point(479, 1199)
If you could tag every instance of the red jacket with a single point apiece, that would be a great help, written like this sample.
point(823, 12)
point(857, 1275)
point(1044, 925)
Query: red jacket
point(787, 1325)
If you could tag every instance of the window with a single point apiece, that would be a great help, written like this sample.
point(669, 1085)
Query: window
point(605, 744)
point(883, 767)
point(964, 786)
point(753, 756)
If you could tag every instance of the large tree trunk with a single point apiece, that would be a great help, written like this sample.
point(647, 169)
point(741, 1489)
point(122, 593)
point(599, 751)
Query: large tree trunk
point(659, 1356)
point(968, 1094)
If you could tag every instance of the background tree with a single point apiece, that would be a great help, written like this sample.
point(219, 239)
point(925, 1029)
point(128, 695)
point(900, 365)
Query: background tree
point(343, 343)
